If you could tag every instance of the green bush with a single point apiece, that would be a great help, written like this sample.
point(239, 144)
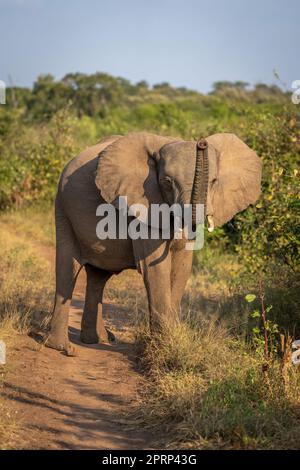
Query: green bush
point(31, 159)
point(270, 232)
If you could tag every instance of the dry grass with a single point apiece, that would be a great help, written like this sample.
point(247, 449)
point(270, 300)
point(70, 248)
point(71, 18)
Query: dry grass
point(206, 389)
point(26, 290)
point(31, 224)
point(25, 279)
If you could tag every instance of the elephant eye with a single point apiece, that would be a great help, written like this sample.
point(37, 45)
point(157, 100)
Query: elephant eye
point(167, 182)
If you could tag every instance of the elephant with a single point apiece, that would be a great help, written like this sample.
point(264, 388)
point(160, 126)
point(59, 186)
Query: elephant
point(149, 169)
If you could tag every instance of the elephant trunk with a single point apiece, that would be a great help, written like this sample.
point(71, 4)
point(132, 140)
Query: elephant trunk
point(200, 184)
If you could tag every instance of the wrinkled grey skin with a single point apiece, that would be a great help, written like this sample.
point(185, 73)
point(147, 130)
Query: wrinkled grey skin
point(147, 169)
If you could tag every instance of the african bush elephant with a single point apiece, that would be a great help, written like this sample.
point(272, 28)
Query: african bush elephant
point(148, 169)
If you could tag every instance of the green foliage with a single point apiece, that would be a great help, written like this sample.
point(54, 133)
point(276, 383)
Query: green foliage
point(250, 297)
point(31, 160)
point(265, 332)
point(273, 226)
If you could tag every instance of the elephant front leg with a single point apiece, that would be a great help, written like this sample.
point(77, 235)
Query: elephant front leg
point(67, 269)
point(92, 325)
point(154, 263)
point(181, 269)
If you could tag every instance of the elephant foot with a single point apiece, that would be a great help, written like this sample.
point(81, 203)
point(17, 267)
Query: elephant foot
point(89, 337)
point(61, 345)
point(92, 337)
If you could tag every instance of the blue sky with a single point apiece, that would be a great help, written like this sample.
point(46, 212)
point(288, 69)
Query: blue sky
point(185, 42)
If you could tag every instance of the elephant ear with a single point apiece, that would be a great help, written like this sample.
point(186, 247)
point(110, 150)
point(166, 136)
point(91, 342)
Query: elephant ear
point(239, 177)
point(127, 167)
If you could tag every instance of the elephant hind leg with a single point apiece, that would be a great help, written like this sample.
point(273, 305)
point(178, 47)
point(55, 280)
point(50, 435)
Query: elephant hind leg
point(67, 270)
point(92, 325)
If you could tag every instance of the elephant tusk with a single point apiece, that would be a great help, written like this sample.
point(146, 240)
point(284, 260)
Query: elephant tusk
point(211, 224)
point(178, 224)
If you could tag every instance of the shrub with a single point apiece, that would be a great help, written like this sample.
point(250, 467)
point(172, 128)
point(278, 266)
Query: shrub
point(31, 159)
point(270, 231)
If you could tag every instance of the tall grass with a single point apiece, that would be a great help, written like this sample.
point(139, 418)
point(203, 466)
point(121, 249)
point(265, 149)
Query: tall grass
point(26, 284)
point(206, 389)
point(26, 291)
point(209, 385)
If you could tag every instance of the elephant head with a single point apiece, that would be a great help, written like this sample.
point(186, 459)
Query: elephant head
point(152, 169)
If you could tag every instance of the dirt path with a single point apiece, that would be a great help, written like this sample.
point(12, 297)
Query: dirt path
point(76, 402)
